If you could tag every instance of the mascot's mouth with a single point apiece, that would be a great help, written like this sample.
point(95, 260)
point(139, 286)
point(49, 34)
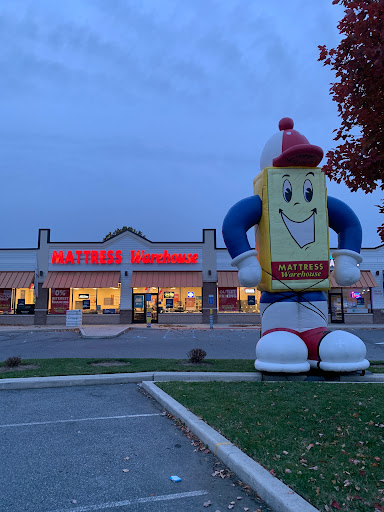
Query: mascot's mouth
point(302, 232)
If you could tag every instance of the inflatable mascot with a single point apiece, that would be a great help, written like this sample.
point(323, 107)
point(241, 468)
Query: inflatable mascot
point(290, 265)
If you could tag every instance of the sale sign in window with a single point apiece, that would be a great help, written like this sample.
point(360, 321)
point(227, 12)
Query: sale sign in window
point(228, 299)
point(59, 300)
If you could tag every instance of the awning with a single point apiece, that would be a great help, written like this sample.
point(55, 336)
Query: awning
point(166, 279)
point(16, 279)
point(82, 279)
point(228, 279)
point(366, 281)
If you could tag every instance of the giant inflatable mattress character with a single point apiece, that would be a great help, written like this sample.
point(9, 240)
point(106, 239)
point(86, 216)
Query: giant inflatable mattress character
point(291, 214)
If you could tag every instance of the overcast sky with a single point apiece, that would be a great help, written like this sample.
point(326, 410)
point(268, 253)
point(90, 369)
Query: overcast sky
point(153, 113)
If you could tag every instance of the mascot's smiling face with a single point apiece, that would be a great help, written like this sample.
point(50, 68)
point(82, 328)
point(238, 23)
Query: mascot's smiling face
point(297, 208)
point(299, 201)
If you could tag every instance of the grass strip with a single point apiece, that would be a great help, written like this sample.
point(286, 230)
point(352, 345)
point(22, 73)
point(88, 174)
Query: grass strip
point(323, 440)
point(84, 366)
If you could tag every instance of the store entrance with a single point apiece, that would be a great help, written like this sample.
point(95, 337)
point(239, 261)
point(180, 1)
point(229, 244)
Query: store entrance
point(336, 308)
point(144, 304)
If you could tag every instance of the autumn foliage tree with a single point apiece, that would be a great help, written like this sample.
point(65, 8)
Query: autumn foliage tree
point(358, 63)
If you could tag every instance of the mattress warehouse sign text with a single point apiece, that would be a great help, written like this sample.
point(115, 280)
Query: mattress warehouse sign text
point(101, 257)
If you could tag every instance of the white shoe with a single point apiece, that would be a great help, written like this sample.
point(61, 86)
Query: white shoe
point(281, 352)
point(341, 351)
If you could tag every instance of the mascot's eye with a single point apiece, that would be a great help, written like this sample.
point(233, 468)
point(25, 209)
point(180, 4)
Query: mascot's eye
point(308, 191)
point(287, 191)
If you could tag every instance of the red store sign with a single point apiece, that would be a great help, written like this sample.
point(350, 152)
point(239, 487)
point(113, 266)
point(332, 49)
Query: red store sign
point(115, 257)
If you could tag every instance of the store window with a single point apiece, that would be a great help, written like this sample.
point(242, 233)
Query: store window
point(238, 300)
point(89, 300)
point(357, 300)
point(17, 301)
point(174, 299)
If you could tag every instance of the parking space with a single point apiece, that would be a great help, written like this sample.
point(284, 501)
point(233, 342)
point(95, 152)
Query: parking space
point(103, 448)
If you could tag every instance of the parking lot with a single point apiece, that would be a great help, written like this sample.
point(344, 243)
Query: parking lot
point(168, 343)
point(102, 448)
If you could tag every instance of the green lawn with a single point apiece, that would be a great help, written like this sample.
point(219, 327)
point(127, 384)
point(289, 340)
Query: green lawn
point(325, 440)
point(83, 366)
point(61, 366)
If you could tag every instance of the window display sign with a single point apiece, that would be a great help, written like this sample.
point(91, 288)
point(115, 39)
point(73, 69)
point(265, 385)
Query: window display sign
point(83, 295)
point(169, 295)
point(251, 300)
point(60, 300)
point(139, 301)
point(190, 303)
point(228, 299)
point(5, 300)
point(190, 295)
point(86, 304)
point(169, 303)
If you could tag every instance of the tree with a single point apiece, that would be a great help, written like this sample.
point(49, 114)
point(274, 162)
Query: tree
point(121, 230)
point(358, 63)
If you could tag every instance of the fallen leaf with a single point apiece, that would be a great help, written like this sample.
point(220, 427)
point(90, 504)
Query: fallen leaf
point(239, 498)
point(377, 458)
point(315, 468)
point(317, 491)
point(285, 452)
point(230, 507)
point(207, 504)
point(73, 501)
point(310, 446)
point(335, 504)
point(126, 458)
point(287, 471)
point(273, 472)
point(125, 470)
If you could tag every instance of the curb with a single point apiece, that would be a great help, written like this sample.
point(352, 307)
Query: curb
point(124, 378)
point(102, 337)
point(275, 493)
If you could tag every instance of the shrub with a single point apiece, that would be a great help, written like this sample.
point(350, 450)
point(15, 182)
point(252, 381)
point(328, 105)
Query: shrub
point(196, 355)
point(12, 361)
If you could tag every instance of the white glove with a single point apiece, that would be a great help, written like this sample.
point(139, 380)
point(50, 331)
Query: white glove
point(346, 271)
point(249, 268)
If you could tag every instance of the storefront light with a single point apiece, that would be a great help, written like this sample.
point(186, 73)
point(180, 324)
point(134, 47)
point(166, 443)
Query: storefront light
point(249, 290)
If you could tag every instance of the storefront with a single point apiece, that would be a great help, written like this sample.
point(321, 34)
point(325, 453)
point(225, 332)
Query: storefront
point(92, 292)
point(17, 293)
point(129, 278)
point(347, 304)
point(162, 293)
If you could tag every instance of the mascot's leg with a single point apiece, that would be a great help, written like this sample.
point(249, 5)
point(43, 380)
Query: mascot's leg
point(332, 351)
point(280, 349)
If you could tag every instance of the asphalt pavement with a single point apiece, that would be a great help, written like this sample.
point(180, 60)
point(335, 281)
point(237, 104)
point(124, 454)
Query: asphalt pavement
point(155, 343)
point(110, 447)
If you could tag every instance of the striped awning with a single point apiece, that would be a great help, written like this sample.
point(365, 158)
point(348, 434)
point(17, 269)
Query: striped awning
point(228, 279)
point(16, 279)
point(166, 279)
point(366, 281)
point(82, 279)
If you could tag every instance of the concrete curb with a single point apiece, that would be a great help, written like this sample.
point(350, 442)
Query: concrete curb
point(102, 336)
point(274, 492)
point(124, 378)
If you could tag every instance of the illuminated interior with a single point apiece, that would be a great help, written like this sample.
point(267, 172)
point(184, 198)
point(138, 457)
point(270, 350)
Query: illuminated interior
point(238, 300)
point(89, 300)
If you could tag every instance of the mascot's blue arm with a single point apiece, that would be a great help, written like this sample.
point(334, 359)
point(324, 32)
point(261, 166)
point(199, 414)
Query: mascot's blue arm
point(241, 217)
point(344, 221)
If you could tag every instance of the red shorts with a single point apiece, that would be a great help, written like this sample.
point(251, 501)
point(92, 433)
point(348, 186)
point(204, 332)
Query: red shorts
point(311, 338)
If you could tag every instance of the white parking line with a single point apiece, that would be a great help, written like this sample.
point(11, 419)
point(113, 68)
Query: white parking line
point(165, 335)
point(381, 343)
point(79, 419)
point(149, 499)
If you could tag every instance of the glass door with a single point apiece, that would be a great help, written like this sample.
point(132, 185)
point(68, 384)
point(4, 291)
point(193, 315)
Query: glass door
point(138, 308)
point(336, 308)
point(151, 306)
